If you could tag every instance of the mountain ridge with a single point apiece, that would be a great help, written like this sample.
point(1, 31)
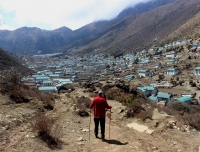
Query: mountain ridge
point(129, 32)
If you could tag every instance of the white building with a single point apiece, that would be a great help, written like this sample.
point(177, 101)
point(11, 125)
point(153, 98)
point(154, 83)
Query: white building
point(144, 73)
point(69, 71)
point(197, 71)
point(172, 71)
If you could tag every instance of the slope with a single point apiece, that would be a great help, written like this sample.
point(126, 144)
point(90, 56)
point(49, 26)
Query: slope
point(140, 31)
point(7, 62)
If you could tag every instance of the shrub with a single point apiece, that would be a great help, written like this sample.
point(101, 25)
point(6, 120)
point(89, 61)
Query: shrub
point(82, 104)
point(47, 130)
point(134, 108)
point(9, 78)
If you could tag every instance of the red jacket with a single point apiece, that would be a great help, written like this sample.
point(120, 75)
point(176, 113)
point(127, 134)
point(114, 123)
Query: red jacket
point(100, 105)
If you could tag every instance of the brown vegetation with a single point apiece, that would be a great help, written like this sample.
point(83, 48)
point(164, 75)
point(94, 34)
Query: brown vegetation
point(47, 130)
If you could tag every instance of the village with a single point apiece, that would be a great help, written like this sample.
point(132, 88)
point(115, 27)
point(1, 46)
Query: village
point(162, 73)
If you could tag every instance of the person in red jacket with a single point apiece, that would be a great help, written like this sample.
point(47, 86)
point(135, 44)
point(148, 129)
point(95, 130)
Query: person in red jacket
point(99, 104)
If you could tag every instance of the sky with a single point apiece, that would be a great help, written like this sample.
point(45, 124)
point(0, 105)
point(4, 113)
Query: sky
point(52, 14)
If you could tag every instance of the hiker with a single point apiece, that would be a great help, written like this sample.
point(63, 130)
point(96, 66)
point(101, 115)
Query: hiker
point(100, 105)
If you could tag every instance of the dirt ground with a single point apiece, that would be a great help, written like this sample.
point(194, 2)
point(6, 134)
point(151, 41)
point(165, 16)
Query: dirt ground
point(77, 132)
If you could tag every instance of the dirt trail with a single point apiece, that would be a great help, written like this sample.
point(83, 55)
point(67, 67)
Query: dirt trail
point(75, 135)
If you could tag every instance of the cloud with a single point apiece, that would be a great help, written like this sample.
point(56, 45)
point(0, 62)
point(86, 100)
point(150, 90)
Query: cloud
point(56, 13)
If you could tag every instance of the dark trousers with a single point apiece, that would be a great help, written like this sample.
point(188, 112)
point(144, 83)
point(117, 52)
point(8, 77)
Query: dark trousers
point(102, 124)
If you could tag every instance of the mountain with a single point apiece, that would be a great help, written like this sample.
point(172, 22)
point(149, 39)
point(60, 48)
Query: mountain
point(177, 20)
point(28, 41)
point(8, 61)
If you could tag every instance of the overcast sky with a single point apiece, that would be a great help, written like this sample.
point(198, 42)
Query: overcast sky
point(52, 14)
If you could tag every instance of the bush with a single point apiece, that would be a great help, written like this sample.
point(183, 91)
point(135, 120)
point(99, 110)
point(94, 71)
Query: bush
point(47, 130)
point(9, 78)
point(82, 104)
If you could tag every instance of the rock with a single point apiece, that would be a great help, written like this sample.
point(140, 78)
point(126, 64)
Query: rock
point(27, 136)
point(120, 111)
point(199, 149)
point(85, 130)
point(80, 143)
point(80, 139)
point(64, 141)
point(5, 128)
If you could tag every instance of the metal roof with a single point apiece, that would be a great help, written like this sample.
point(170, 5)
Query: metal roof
point(163, 95)
point(184, 99)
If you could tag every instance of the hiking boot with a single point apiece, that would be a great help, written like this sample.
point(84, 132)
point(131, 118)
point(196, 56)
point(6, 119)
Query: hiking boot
point(96, 136)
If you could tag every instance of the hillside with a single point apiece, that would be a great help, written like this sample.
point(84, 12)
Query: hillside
point(125, 134)
point(28, 41)
point(150, 28)
point(7, 61)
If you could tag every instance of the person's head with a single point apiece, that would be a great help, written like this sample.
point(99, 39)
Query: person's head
point(101, 93)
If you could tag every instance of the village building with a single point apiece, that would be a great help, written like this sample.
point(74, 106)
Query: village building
point(171, 61)
point(69, 71)
point(163, 97)
point(47, 83)
point(51, 89)
point(144, 73)
point(148, 90)
point(184, 99)
point(129, 77)
point(172, 71)
point(197, 71)
point(171, 54)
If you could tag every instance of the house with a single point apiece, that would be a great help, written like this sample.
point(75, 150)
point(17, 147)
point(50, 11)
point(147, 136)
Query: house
point(142, 63)
point(171, 54)
point(158, 65)
point(172, 71)
point(54, 76)
point(129, 77)
point(144, 73)
point(48, 89)
point(148, 90)
point(153, 98)
point(171, 61)
point(60, 73)
point(41, 79)
point(47, 83)
point(197, 71)
point(75, 78)
point(163, 97)
point(184, 99)
point(69, 71)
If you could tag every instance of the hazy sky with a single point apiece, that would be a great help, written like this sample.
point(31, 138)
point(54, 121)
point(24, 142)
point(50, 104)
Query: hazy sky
point(52, 14)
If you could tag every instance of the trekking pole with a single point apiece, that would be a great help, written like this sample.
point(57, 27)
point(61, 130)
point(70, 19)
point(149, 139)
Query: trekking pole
point(89, 124)
point(109, 123)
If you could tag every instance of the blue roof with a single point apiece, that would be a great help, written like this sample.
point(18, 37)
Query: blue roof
point(142, 71)
point(197, 68)
point(43, 78)
point(163, 95)
point(153, 98)
point(184, 99)
point(47, 88)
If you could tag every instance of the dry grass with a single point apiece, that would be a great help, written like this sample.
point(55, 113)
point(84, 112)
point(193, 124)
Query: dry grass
point(47, 130)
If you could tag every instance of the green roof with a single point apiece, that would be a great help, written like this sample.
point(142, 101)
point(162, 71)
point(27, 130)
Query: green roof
point(153, 98)
point(142, 71)
point(43, 78)
point(184, 99)
point(171, 69)
point(197, 68)
point(163, 95)
point(47, 88)
point(47, 81)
